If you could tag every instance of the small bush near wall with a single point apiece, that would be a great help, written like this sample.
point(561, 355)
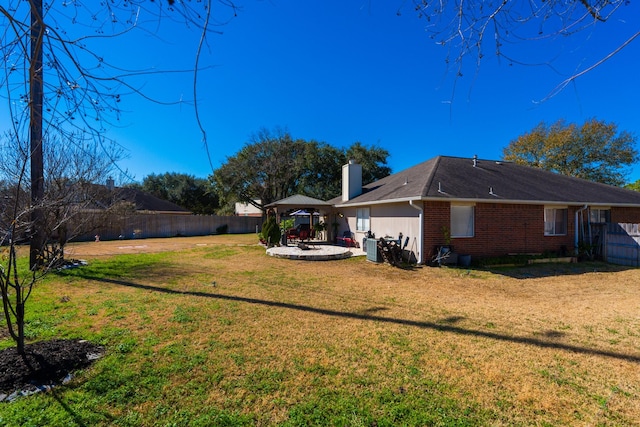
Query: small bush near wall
point(505, 260)
point(516, 259)
point(223, 229)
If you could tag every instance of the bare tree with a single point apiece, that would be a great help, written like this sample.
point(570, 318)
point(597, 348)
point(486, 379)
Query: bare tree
point(15, 286)
point(63, 93)
point(56, 78)
point(70, 205)
point(76, 200)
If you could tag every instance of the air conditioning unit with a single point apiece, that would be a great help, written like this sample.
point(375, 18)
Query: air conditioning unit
point(371, 246)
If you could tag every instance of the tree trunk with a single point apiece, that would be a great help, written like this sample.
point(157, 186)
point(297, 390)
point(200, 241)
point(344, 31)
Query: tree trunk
point(20, 324)
point(35, 127)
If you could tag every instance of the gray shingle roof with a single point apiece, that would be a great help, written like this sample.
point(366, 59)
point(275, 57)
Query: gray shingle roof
point(299, 200)
point(147, 202)
point(101, 197)
point(455, 178)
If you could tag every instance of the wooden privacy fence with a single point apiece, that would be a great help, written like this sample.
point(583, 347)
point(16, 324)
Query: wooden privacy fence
point(171, 225)
point(621, 244)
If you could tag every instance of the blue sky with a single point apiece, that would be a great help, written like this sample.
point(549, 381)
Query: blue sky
point(346, 71)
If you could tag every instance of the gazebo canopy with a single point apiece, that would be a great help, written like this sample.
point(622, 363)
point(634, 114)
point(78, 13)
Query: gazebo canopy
point(299, 201)
point(302, 212)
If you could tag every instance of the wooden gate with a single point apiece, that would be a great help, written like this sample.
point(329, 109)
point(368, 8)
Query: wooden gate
point(622, 244)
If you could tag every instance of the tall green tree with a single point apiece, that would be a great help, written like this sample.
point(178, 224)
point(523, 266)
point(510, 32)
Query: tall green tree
point(194, 194)
point(635, 186)
point(274, 166)
point(595, 150)
point(322, 174)
point(322, 171)
point(266, 169)
point(373, 160)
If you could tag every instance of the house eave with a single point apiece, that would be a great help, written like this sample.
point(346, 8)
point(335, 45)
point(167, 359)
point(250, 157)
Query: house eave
point(486, 200)
point(531, 202)
point(377, 202)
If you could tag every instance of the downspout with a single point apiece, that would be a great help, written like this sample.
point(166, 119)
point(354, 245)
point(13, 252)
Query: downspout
point(421, 228)
point(576, 231)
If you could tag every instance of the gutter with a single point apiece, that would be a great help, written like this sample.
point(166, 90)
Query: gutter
point(575, 228)
point(421, 228)
point(477, 200)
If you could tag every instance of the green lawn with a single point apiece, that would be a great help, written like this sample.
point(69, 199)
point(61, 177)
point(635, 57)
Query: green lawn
point(224, 335)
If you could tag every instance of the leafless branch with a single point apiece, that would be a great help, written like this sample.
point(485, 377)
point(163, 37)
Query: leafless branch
point(579, 74)
point(463, 26)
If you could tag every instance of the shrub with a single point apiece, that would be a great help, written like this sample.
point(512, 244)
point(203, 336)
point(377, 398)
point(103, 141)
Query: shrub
point(271, 230)
point(286, 224)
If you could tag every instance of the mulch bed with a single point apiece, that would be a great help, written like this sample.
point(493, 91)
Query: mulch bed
point(47, 363)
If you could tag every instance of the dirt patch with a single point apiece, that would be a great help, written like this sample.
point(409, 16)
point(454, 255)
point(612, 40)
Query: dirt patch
point(47, 363)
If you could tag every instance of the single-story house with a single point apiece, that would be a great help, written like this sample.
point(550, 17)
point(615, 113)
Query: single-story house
point(247, 209)
point(483, 208)
point(100, 197)
point(147, 203)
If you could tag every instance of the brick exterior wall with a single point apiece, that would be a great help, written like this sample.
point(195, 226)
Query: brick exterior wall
point(500, 229)
point(435, 216)
point(628, 215)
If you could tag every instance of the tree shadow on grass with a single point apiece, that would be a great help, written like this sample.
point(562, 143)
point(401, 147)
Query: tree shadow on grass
point(446, 326)
point(536, 271)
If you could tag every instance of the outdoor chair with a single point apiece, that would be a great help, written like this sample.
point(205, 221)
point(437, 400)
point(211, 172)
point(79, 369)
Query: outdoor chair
point(304, 235)
point(292, 234)
point(348, 239)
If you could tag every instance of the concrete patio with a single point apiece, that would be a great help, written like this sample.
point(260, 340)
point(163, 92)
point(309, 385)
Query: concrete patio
point(314, 252)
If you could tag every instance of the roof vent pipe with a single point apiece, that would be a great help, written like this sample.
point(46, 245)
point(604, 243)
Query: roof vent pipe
point(475, 160)
point(439, 187)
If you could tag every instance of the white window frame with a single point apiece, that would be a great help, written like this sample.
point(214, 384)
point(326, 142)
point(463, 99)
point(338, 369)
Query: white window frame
point(462, 220)
point(551, 224)
point(363, 219)
point(602, 214)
